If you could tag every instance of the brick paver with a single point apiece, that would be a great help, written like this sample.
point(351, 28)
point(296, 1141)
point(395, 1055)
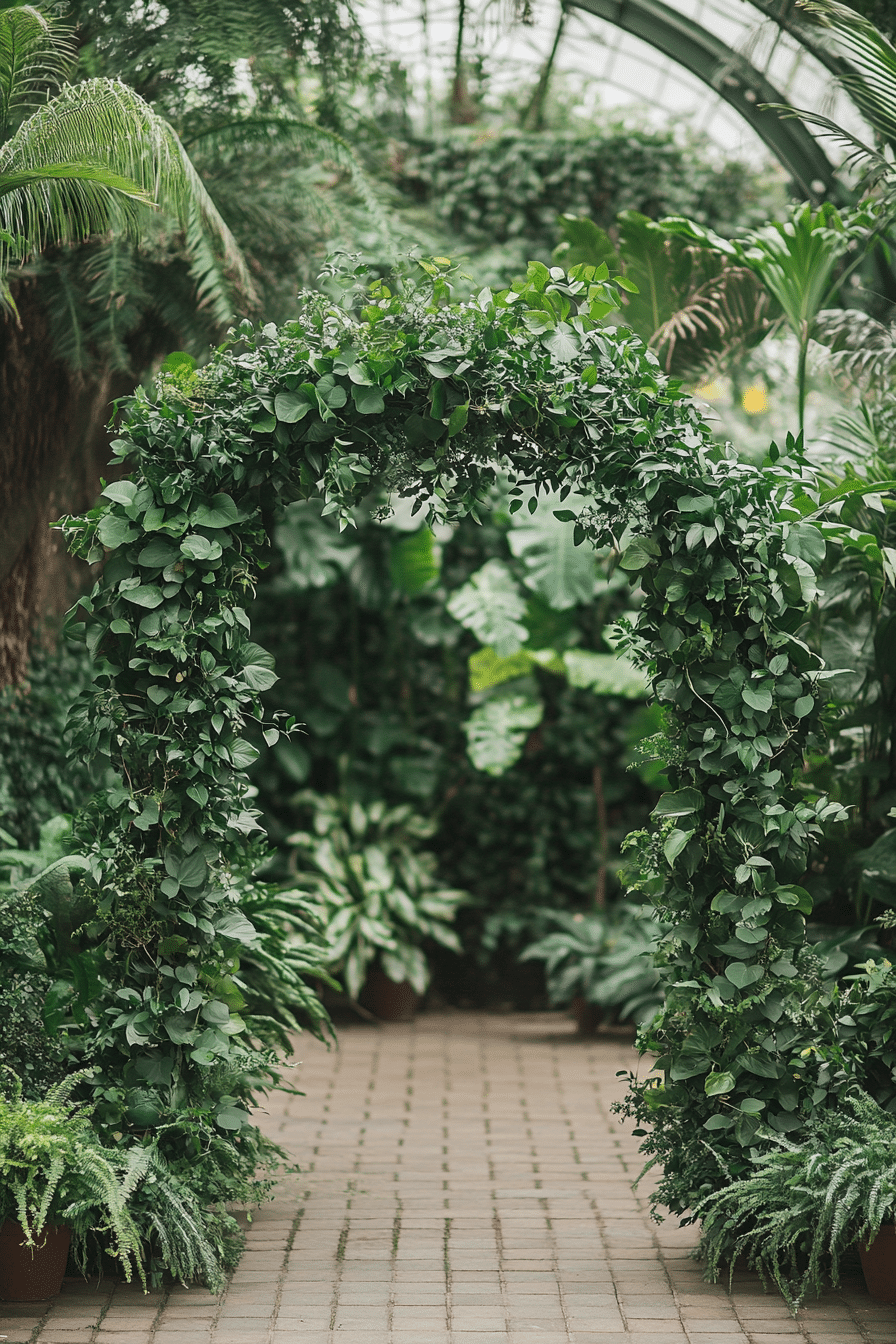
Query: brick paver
point(463, 1182)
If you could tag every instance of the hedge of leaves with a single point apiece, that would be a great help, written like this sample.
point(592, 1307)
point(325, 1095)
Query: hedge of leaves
point(412, 393)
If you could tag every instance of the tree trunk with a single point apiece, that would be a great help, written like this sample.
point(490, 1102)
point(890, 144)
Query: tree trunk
point(53, 447)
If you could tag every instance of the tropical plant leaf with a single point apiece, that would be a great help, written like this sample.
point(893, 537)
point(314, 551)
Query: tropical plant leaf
point(491, 605)
point(88, 160)
point(496, 732)
point(554, 567)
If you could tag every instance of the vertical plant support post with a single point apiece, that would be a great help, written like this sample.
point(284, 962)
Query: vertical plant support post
point(405, 391)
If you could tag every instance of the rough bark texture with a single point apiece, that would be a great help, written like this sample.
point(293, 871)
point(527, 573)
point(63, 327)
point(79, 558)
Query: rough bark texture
point(53, 448)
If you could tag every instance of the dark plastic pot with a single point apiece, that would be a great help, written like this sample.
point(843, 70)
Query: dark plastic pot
point(388, 1001)
point(879, 1264)
point(32, 1273)
point(588, 1016)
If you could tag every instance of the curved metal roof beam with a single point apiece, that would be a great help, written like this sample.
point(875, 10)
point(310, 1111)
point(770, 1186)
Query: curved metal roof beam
point(809, 35)
point(732, 77)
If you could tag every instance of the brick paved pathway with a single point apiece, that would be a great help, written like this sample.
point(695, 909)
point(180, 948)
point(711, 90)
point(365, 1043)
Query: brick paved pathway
point(463, 1182)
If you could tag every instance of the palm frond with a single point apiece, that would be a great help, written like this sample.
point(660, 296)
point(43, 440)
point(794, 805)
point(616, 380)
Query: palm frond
point(104, 117)
point(245, 135)
point(860, 349)
point(872, 83)
point(722, 318)
point(869, 163)
point(35, 54)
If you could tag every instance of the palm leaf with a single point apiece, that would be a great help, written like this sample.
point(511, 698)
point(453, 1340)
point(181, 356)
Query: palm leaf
point(718, 321)
point(142, 159)
point(247, 135)
point(862, 350)
point(34, 54)
point(872, 83)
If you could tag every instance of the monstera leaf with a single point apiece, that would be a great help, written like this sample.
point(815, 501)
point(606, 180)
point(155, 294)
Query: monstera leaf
point(554, 567)
point(497, 731)
point(492, 606)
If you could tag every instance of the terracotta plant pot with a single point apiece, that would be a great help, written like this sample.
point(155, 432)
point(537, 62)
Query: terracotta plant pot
point(387, 1000)
point(32, 1273)
point(879, 1264)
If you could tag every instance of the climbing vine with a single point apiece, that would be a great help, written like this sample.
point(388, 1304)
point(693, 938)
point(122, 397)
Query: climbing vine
point(405, 391)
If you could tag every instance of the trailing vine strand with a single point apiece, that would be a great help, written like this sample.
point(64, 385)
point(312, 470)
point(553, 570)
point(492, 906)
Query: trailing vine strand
point(411, 393)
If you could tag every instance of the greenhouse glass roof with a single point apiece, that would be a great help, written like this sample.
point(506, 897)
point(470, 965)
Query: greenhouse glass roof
point(710, 64)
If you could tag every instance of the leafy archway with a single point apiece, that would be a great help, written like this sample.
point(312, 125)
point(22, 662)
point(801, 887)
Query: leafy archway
point(414, 394)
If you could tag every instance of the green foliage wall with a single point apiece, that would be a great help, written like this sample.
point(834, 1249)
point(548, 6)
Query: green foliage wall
point(370, 658)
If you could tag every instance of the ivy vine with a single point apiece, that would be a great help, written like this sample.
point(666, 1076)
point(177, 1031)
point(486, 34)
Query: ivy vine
point(406, 391)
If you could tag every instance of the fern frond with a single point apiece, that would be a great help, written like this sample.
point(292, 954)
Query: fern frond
point(252, 133)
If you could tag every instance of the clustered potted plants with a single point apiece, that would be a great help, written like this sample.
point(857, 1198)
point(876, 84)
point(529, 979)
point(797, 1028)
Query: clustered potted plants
point(600, 961)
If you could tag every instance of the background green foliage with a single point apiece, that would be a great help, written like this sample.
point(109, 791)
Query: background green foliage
point(385, 678)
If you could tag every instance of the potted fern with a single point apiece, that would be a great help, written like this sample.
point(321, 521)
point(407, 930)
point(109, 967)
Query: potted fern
point(376, 882)
point(806, 1203)
point(57, 1185)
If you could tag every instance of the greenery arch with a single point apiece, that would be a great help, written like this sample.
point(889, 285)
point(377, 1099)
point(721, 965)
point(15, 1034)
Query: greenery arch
point(420, 395)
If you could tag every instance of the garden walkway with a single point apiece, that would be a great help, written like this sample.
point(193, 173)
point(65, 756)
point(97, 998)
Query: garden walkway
point(463, 1182)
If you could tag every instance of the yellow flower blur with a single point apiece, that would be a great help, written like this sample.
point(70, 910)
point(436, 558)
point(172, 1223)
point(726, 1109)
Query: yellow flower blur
point(755, 399)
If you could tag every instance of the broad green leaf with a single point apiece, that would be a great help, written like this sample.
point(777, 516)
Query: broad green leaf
point(497, 731)
point(605, 674)
point(158, 553)
point(487, 669)
point(563, 342)
point(120, 492)
point(675, 843)
point(197, 547)
point(147, 595)
point(639, 554)
point(719, 1083)
point(554, 567)
point(457, 420)
point(235, 925)
point(760, 699)
point(114, 531)
point(744, 976)
point(290, 407)
point(219, 512)
point(415, 562)
point(258, 667)
point(192, 871)
point(682, 803)
point(368, 400)
point(491, 605)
